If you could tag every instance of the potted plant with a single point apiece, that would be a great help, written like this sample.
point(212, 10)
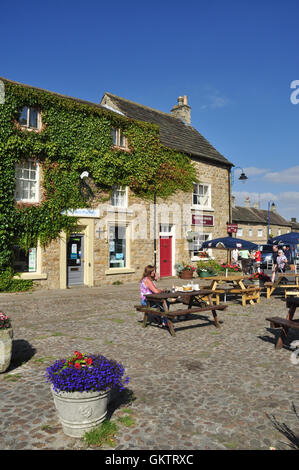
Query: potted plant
point(6, 335)
point(207, 268)
point(259, 279)
point(80, 388)
point(230, 268)
point(184, 270)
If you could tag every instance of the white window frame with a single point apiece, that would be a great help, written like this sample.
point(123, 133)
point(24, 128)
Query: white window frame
point(127, 248)
point(208, 236)
point(208, 205)
point(114, 199)
point(117, 136)
point(240, 232)
point(20, 166)
point(279, 232)
point(27, 125)
point(250, 231)
point(260, 233)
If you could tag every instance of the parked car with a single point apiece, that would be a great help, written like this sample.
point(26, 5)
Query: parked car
point(266, 254)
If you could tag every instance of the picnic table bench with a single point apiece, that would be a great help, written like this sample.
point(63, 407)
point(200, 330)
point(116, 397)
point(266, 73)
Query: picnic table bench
point(285, 323)
point(188, 312)
point(272, 286)
point(249, 294)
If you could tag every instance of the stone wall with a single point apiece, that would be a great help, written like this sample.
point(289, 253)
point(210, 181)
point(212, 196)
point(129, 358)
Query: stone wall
point(141, 246)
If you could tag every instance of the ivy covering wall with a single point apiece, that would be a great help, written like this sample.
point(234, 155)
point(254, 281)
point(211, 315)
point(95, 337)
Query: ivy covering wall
point(75, 137)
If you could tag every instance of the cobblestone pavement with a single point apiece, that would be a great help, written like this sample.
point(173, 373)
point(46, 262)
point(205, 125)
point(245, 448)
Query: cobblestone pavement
point(206, 388)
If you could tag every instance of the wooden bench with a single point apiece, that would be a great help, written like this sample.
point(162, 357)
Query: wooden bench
point(289, 289)
point(285, 324)
point(170, 315)
point(249, 294)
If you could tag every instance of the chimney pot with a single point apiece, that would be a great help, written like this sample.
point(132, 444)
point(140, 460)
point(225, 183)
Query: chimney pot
point(182, 110)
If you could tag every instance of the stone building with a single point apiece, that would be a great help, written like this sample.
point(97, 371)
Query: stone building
point(253, 222)
point(116, 239)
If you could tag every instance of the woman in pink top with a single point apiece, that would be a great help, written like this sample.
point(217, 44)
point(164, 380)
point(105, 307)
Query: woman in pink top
point(148, 286)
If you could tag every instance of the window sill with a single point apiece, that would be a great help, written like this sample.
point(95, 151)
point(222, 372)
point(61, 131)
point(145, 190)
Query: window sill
point(32, 276)
point(118, 147)
point(119, 271)
point(122, 210)
point(202, 208)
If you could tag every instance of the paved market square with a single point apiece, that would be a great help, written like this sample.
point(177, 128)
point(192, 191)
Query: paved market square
point(204, 389)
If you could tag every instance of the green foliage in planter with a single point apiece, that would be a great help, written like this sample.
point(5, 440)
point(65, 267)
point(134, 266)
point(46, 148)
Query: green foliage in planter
point(209, 265)
point(75, 137)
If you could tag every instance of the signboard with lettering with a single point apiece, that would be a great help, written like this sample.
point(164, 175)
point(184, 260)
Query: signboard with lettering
point(206, 220)
point(232, 228)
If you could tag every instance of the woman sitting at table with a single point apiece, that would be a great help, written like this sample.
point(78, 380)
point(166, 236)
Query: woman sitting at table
point(148, 286)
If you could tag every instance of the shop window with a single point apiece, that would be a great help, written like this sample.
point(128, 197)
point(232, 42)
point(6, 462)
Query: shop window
point(25, 262)
point(196, 245)
point(26, 181)
point(117, 246)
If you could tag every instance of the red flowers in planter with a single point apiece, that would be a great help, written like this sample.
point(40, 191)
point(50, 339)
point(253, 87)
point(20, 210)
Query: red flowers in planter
point(78, 360)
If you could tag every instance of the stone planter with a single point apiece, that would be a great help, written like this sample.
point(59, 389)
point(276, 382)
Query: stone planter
point(80, 412)
point(5, 348)
point(186, 274)
point(205, 274)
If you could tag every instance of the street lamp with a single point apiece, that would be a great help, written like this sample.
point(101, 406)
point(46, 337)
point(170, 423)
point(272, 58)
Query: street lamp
point(242, 176)
point(272, 207)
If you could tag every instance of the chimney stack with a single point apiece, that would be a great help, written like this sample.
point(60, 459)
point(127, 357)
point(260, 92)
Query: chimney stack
point(293, 219)
point(247, 202)
point(182, 110)
point(256, 205)
point(233, 201)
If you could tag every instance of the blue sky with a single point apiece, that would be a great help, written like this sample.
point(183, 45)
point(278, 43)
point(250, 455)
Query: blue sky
point(235, 60)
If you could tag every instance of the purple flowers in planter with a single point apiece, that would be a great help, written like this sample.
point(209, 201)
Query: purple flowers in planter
point(82, 373)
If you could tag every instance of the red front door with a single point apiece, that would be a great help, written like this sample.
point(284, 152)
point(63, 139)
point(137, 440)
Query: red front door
point(165, 256)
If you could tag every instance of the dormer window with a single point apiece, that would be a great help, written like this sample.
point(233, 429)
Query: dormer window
point(30, 118)
point(119, 140)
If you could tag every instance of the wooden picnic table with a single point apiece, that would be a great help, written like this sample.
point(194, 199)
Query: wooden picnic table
point(192, 297)
point(285, 323)
point(289, 288)
point(250, 293)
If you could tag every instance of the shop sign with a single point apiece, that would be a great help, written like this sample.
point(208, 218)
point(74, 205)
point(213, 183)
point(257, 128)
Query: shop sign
point(232, 228)
point(83, 213)
point(206, 220)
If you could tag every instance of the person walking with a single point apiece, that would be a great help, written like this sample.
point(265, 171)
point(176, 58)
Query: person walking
point(274, 265)
point(258, 259)
point(244, 260)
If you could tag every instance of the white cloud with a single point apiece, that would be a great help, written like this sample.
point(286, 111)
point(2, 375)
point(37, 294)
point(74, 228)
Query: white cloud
point(215, 100)
point(254, 171)
point(289, 175)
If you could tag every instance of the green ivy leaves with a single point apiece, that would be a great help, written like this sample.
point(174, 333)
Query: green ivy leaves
point(76, 137)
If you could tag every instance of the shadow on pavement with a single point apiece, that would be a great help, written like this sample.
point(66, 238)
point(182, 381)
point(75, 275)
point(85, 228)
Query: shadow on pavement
point(22, 352)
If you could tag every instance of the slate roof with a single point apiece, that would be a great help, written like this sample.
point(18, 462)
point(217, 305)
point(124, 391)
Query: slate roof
point(59, 95)
point(257, 216)
point(174, 132)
